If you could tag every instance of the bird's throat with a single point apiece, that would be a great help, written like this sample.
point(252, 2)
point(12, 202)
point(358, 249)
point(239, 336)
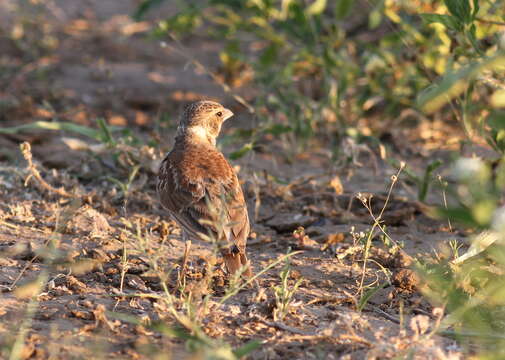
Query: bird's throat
point(197, 135)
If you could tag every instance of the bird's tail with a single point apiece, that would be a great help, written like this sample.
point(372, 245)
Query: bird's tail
point(244, 262)
point(234, 262)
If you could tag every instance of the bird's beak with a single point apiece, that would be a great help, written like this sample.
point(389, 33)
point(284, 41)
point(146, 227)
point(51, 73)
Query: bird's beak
point(227, 113)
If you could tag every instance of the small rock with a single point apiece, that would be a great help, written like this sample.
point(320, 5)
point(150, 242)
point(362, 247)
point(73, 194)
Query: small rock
point(135, 282)
point(406, 280)
point(80, 314)
point(288, 221)
point(54, 153)
point(90, 222)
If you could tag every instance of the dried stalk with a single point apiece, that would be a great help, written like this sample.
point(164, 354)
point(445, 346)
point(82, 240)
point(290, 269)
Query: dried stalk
point(26, 150)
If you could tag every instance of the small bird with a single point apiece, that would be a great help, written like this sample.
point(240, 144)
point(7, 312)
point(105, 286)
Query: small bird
point(200, 189)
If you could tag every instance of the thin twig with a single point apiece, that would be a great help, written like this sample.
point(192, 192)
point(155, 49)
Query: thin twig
point(281, 326)
point(444, 197)
point(27, 265)
point(386, 315)
point(26, 150)
point(355, 339)
point(138, 295)
point(12, 226)
point(184, 266)
point(377, 223)
point(124, 266)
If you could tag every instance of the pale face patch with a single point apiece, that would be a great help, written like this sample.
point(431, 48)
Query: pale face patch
point(200, 133)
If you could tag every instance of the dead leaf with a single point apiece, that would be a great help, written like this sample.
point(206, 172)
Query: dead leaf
point(336, 184)
point(333, 239)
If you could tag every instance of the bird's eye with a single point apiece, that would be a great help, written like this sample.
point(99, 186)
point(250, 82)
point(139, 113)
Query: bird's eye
point(219, 114)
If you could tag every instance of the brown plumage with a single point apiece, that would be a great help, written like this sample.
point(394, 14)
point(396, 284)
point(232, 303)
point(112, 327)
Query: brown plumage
point(199, 188)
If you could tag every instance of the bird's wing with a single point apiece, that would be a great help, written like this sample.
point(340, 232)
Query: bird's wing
point(238, 217)
point(201, 189)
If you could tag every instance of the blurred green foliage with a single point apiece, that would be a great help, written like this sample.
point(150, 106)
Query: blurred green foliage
point(471, 287)
point(321, 66)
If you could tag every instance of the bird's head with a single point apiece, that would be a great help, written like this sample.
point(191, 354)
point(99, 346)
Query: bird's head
point(202, 120)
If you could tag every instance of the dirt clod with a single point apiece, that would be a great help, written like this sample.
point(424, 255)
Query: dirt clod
point(406, 280)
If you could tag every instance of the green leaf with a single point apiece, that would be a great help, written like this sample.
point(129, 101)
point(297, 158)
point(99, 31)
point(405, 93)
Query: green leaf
point(243, 133)
point(447, 20)
point(482, 211)
point(174, 331)
point(269, 55)
point(496, 120)
point(240, 153)
point(476, 9)
point(496, 138)
point(343, 8)
point(181, 23)
point(124, 317)
point(144, 7)
point(460, 9)
point(106, 135)
point(367, 295)
point(459, 214)
point(472, 36)
point(374, 19)
point(285, 8)
point(423, 189)
point(55, 126)
point(316, 8)
point(498, 98)
point(278, 129)
point(454, 83)
point(247, 348)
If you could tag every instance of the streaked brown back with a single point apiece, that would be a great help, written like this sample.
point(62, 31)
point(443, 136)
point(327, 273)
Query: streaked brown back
point(192, 173)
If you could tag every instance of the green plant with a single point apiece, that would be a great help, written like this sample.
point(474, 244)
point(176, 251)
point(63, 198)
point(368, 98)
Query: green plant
point(470, 287)
point(284, 292)
point(378, 224)
point(125, 187)
point(185, 311)
point(103, 134)
point(314, 76)
point(455, 246)
point(472, 69)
